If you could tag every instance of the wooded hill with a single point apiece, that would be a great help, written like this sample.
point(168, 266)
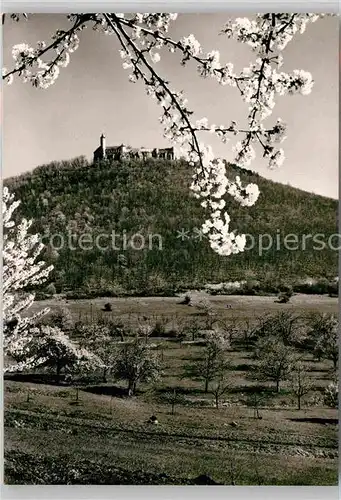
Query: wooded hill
point(152, 197)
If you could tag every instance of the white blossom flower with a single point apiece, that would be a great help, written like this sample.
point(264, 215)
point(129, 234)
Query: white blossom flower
point(155, 57)
point(202, 123)
point(277, 159)
point(191, 45)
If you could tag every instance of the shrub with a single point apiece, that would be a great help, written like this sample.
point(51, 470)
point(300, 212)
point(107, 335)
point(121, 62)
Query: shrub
point(333, 289)
point(251, 287)
point(312, 286)
point(51, 289)
point(331, 395)
point(286, 288)
point(283, 298)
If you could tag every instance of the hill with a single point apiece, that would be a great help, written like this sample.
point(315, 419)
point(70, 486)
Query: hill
point(152, 198)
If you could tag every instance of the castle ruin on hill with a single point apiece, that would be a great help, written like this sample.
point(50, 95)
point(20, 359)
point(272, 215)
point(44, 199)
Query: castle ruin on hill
point(123, 151)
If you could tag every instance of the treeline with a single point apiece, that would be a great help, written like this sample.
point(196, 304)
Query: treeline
point(157, 246)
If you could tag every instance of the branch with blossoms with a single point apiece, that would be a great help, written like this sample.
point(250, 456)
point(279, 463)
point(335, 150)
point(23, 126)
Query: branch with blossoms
point(141, 36)
point(49, 346)
point(20, 269)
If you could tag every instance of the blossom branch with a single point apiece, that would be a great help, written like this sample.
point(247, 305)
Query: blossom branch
point(258, 84)
point(114, 23)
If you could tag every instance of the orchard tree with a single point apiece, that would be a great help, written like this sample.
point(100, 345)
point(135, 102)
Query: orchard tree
point(287, 327)
point(212, 363)
point(142, 36)
point(191, 328)
point(21, 271)
point(53, 349)
point(91, 332)
point(145, 329)
point(275, 360)
point(220, 384)
point(62, 318)
point(325, 333)
point(108, 355)
point(300, 381)
point(283, 325)
point(96, 338)
point(136, 362)
point(173, 398)
point(256, 400)
point(230, 328)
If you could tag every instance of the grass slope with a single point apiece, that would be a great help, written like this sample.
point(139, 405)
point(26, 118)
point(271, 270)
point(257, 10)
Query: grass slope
point(104, 438)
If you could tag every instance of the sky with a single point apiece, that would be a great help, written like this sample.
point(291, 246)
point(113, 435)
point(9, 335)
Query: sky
point(93, 95)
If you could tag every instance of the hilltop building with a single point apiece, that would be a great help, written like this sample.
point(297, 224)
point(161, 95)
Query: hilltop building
point(124, 151)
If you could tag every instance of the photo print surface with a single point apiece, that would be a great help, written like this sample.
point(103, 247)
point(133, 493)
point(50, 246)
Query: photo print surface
point(170, 256)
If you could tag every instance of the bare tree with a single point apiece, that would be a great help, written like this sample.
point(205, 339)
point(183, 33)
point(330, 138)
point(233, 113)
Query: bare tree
point(300, 382)
point(230, 328)
point(173, 398)
point(220, 385)
point(255, 401)
point(283, 325)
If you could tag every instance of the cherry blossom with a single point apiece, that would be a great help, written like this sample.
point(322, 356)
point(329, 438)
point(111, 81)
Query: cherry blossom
point(20, 270)
point(47, 346)
point(141, 37)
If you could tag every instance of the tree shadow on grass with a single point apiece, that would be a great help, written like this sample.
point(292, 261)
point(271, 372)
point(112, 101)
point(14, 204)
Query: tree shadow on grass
point(316, 420)
point(179, 390)
point(315, 368)
point(35, 378)
point(107, 390)
point(242, 367)
point(253, 389)
point(49, 379)
point(188, 357)
point(205, 480)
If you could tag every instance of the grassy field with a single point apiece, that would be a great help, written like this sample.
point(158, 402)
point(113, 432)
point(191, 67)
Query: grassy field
point(104, 438)
point(129, 310)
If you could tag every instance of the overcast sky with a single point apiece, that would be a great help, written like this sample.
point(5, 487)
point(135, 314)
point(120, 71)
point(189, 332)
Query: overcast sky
point(92, 95)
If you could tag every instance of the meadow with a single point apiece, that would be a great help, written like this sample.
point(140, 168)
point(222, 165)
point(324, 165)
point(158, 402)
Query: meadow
point(90, 432)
